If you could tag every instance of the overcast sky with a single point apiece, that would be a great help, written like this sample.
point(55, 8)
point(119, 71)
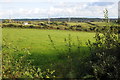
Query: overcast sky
point(57, 8)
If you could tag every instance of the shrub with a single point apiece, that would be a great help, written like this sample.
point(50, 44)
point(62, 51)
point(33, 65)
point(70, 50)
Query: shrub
point(67, 28)
point(18, 66)
point(105, 55)
point(11, 25)
point(74, 28)
point(26, 26)
point(79, 29)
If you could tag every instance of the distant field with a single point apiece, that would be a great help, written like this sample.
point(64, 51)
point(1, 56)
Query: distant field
point(39, 44)
point(104, 23)
point(83, 24)
point(86, 25)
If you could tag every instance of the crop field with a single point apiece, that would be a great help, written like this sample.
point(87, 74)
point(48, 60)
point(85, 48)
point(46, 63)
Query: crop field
point(38, 42)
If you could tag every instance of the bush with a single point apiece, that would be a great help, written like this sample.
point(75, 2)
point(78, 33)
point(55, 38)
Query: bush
point(67, 28)
point(74, 28)
point(105, 55)
point(12, 25)
point(18, 66)
point(79, 29)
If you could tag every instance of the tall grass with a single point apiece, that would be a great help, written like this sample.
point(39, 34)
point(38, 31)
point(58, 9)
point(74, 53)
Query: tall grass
point(74, 65)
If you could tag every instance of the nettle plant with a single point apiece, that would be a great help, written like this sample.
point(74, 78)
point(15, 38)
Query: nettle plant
point(20, 66)
point(105, 55)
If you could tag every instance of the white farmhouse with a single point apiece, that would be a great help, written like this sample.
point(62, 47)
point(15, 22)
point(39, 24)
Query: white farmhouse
point(26, 23)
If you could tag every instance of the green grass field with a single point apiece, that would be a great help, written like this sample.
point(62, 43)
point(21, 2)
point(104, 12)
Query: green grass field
point(104, 23)
point(37, 41)
point(0, 39)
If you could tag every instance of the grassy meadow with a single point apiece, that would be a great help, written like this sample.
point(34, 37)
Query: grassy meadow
point(65, 48)
point(39, 45)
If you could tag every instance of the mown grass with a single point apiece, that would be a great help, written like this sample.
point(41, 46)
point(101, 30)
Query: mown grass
point(39, 45)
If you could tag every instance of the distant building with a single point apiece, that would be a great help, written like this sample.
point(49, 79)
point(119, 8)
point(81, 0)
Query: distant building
point(26, 23)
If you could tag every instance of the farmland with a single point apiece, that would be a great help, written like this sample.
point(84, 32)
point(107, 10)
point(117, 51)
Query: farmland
point(38, 42)
point(61, 46)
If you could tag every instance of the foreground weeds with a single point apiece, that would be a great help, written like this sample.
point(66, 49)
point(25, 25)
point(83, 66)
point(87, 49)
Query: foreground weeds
point(18, 66)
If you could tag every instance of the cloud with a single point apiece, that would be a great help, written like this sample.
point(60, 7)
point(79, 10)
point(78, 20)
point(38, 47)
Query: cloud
point(84, 10)
point(59, 0)
point(101, 3)
point(62, 9)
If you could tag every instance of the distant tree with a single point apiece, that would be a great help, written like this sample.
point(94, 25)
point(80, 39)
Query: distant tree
point(6, 21)
point(106, 15)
